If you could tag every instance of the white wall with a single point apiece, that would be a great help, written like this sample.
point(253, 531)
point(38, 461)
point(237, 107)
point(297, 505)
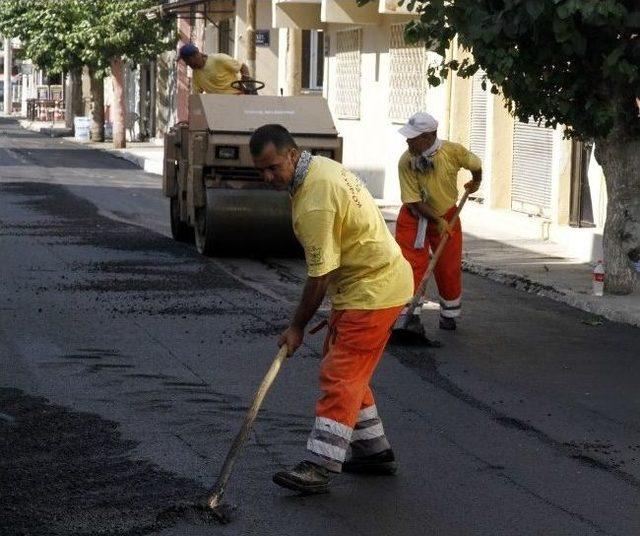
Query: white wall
point(598, 192)
point(372, 145)
point(266, 57)
point(281, 80)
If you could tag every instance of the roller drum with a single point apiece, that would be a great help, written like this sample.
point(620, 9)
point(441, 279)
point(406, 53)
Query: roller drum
point(247, 223)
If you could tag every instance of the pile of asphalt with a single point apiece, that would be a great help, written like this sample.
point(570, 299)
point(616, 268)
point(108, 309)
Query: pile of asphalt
point(68, 473)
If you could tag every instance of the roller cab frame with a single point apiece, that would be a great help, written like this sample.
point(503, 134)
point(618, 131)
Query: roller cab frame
point(217, 198)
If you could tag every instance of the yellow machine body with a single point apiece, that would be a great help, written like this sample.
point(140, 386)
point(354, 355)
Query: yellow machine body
point(217, 197)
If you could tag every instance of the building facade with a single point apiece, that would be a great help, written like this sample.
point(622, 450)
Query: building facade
point(374, 81)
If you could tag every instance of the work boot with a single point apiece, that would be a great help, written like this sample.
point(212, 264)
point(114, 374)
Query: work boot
point(381, 463)
point(447, 323)
point(306, 477)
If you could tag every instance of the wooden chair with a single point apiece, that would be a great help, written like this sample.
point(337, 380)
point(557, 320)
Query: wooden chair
point(56, 100)
point(42, 96)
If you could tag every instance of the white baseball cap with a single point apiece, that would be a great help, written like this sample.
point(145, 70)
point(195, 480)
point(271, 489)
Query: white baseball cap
point(419, 124)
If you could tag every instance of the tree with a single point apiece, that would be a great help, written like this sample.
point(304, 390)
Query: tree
point(65, 35)
point(116, 33)
point(574, 63)
point(43, 28)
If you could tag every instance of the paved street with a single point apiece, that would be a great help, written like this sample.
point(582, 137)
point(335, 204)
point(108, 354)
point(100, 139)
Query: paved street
point(127, 361)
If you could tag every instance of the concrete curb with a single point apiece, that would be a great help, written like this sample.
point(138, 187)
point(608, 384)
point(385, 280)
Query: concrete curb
point(149, 165)
point(146, 164)
point(590, 304)
point(59, 132)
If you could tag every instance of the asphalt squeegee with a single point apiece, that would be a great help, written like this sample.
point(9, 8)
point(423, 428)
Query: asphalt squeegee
point(407, 329)
point(212, 508)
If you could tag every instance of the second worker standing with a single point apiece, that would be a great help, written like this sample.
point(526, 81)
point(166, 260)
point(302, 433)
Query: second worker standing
point(428, 173)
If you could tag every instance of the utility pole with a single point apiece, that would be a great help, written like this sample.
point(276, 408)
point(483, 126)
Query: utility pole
point(250, 37)
point(7, 77)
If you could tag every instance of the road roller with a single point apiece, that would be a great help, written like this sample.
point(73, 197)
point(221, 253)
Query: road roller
point(217, 198)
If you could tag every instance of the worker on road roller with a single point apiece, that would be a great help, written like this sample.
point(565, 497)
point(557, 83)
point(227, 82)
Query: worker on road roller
point(213, 73)
point(428, 173)
point(352, 257)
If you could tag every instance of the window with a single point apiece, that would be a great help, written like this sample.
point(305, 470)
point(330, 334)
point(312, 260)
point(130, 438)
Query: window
point(348, 74)
point(478, 126)
point(408, 76)
point(531, 179)
point(225, 37)
point(312, 59)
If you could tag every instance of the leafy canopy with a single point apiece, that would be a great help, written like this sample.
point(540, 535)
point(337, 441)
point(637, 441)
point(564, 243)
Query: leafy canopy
point(60, 35)
point(570, 62)
point(44, 29)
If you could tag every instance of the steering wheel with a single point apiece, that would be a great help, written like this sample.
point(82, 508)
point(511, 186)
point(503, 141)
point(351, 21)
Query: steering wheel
point(248, 86)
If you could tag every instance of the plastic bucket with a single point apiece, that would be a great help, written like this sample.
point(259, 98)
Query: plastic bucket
point(82, 128)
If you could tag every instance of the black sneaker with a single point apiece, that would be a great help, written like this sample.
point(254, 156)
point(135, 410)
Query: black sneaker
point(306, 477)
point(382, 463)
point(447, 323)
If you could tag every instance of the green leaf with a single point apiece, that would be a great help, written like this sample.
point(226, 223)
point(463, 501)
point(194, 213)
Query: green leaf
point(633, 20)
point(614, 56)
point(579, 43)
point(535, 8)
point(562, 30)
point(433, 80)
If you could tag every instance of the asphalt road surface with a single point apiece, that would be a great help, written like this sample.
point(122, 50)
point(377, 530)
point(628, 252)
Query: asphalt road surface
point(127, 362)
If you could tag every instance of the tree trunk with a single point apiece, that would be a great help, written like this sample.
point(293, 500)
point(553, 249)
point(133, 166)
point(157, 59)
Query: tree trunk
point(165, 96)
point(619, 157)
point(97, 107)
point(8, 97)
point(117, 75)
point(73, 99)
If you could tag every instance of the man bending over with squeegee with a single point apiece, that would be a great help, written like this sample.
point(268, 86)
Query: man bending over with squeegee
point(352, 257)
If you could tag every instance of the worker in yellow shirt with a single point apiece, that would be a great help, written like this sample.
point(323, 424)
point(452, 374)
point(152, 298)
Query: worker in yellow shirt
point(213, 73)
point(352, 257)
point(428, 173)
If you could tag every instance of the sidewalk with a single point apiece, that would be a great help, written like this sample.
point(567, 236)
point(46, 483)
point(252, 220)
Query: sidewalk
point(147, 155)
point(55, 129)
point(504, 246)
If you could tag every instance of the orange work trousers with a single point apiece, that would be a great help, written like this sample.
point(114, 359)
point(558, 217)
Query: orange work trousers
point(347, 421)
point(448, 271)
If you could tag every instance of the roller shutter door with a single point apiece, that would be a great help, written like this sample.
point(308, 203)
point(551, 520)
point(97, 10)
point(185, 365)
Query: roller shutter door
point(532, 165)
point(478, 134)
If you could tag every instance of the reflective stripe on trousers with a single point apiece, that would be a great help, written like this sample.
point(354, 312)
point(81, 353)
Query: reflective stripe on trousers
point(368, 436)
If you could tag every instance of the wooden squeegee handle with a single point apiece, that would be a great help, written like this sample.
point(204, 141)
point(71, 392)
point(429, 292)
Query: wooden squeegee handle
point(422, 287)
point(216, 493)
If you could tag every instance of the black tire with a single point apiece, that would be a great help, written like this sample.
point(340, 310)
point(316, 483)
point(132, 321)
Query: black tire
point(180, 231)
point(204, 227)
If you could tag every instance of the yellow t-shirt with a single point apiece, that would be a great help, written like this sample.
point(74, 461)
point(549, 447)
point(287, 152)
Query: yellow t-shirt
point(438, 187)
point(217, 74)
point(341, 228)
